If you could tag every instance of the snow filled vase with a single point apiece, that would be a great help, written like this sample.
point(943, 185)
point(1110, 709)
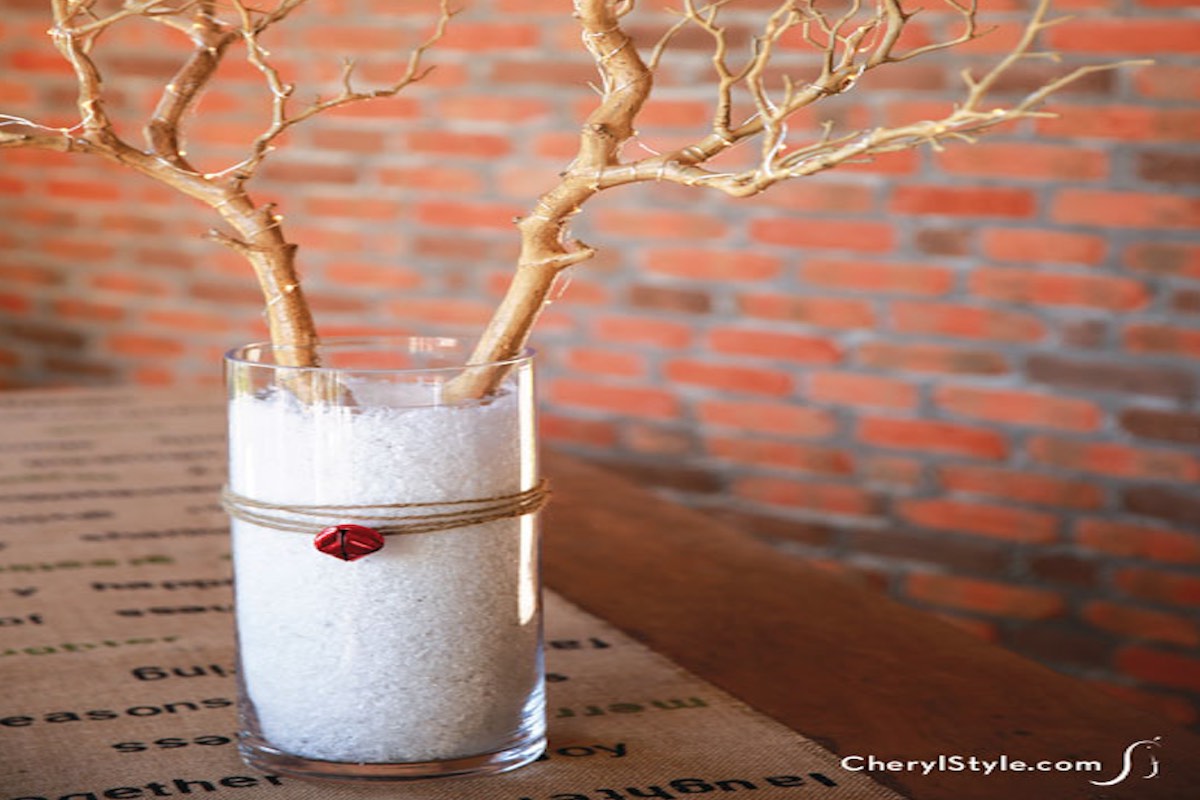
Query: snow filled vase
point(385, 549)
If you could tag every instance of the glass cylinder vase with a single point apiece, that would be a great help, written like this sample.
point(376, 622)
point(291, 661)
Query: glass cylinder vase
point(422, 657)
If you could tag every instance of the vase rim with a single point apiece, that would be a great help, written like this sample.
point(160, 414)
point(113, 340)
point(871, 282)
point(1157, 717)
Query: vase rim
point(250, 355)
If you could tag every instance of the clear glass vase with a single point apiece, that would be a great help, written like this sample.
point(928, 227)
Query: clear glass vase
point(422, 658)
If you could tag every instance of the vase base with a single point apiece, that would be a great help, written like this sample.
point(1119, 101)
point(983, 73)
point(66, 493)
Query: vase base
point(262, 756)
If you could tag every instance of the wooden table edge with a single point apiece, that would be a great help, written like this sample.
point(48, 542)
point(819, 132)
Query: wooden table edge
point(841, 664)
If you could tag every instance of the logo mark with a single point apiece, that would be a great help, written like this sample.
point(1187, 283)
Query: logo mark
point(1127, 761)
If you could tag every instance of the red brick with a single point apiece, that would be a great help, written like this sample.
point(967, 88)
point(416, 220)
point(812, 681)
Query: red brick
point(37, 61)
point(1159, 667)
point(226, 293)
point(325, 301)
point(1046, 288)
point(908, 473)
point(1140, 623)
point(644, 223)
point(100, 191)
point(356, 38)
point(1126, 37)
point(975, 202)
point(1158, 586)
point(137, 345)
point(656, 439)
point(598, 361)
point(772, 345)
point(439, 310)
point(783, 419)
point(1124, 123)
point(309, 172)
point(76, 308)
point(633, 401)
point(1036, 246)
point(1022, 487)
point(846, 388)
point(731, 378)
point(12, 303)
point(1001, 522)
point(933, 437)
point(588, 432)
point(1179, 505)
point(828, 498)
point(823, 312)
point(356, 273)
point(150, 375)
point(670, 299)
point(461, 145)
point(877, 276)
point(811, 196)
point(711, 265)
point(1126, 209)
point(325, 238)
point(72, 250)
point(640, 330)
point(366, 208)
point(931, 358)
point(544, 71)
point(1112, 458)
point(349, 140)
point(1163, 340)
point(493, 108)
point(487, 36)
point(485, 216)
point(661, 113)
point(1111, 376)
point(966, 322)
point(1088, 334)
point(1025, 160)
point(1186, 301)
point(1016, 407)
point(785, 455)
point(128, 283)
point(432, 178)
point(12, 185)
point(1169, 426)
point(1169, 167)
point(190, 321)
point(1165, 258)
point(861, 237)
point(1134, 540)
point(1168, 81)
point(984, 597)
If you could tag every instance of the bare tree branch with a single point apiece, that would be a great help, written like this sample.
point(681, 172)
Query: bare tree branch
point(861, 37)
point(626, 82)
point(258, 233)
point(211, 39)
point(849, 46)
point(282, 118)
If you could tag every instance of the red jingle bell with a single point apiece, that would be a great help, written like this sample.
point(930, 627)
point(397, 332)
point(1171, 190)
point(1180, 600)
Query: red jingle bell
point(348, 542)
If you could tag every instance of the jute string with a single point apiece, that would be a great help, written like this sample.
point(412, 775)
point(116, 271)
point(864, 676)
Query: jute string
point(387, 518)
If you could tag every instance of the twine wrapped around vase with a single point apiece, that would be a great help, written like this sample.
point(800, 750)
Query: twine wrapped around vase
point(387, 518)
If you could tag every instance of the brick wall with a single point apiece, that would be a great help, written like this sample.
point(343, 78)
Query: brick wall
point(970, 376)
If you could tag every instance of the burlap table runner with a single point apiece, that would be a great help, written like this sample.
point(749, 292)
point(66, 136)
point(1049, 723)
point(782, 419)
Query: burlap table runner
point(116, 653)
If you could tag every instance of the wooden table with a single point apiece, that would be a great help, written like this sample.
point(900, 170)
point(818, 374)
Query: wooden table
point(832, 660)
point(837, 662)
